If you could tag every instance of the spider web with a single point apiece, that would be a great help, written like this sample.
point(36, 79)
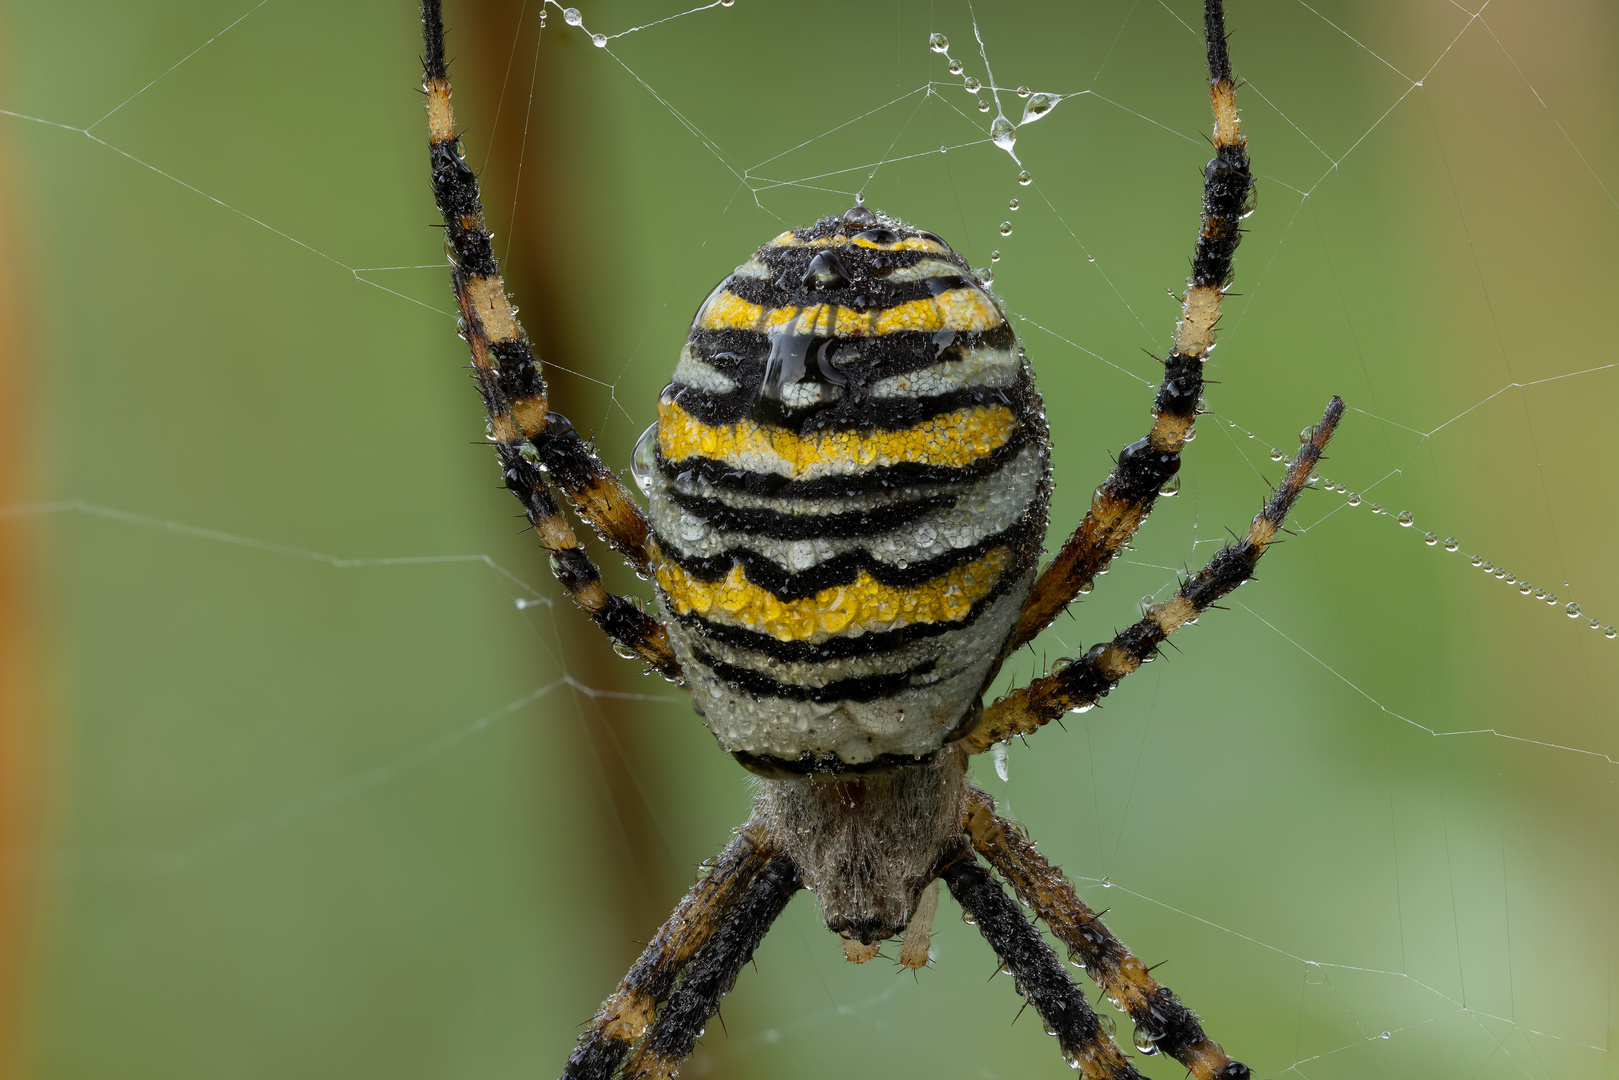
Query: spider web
point(337, 784)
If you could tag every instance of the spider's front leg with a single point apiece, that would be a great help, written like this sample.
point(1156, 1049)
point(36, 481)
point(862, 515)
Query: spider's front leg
point(1083, 682)
point(1125, 498)
point(1171, 1027)
point(1040, 977)
point(530, 440)
point(711, 934)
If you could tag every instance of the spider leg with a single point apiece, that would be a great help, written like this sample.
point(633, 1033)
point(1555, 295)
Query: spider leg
point(530, 440)
point(1172, 1027)
point(1086, 680)
point(1041, 978)
point(1126, 497)
point(713, 972)
point(709, 911)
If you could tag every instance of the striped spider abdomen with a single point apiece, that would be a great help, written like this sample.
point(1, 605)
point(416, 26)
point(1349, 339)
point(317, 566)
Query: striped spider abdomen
point(848, 487)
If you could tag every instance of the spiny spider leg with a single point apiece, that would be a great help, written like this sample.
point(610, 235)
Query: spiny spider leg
point(1041, 978)
point(1125, 498)
point(1086, 680)
point(1172, 1027)
point(712, 973)
point(526, 434)
point(704, 912)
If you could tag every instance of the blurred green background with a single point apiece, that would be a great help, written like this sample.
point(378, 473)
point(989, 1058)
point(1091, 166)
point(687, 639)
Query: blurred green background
point(318, 802)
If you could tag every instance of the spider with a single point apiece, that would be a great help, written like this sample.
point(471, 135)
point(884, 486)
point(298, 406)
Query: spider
point(847, 490)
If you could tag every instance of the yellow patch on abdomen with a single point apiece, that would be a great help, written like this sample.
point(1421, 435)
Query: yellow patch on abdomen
point(865, 605)
point(953, 439)
point(962, 310)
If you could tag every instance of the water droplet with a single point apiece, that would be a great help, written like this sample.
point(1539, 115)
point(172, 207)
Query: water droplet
point(1107, 883)
point(1085, 589)
point(967, 917)
point(571, 16)
point(1353, 500)
point(1551, 599)
point(1452, 544)
point(1540, 594)
point(1023, 91)
point(995, 256)
point(1384, 1035)
point(971, 85)
point(1144, 1041)
point(1073, 1058)
point(644, 460)
point(1025, 178)
point(1038, 106)
point(1595, 625)
point(861, 215)
point(998, 754)
point(1001, 131)
point(1006, 228)
point(1479, 562)
point(1377, 508)
point(1430, 539)
point(1147, 601)
point(1170, 487)
point(1609, 631)
point(938, 42)
point(1107, 1024)
point(1572, 610)
point(1085, 708)
point(1500, 572)
point(983, 106)
point(1276, 455)
point(1013, 205)
point(599, 40)
point(1524, 587)
point(726, 3)
point(954, 67)
point(1406, 518)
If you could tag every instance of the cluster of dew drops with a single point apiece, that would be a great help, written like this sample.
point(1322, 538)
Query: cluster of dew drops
point(1002, 132)
point(572, 17)
point(1406, 520)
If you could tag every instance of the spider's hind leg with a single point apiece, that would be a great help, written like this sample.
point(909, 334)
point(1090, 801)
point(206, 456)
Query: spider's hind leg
point(711, 934)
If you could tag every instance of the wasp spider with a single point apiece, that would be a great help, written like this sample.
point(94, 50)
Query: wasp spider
point(847, 488)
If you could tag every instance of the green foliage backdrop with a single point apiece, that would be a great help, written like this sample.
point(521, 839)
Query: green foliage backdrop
point(314, 818)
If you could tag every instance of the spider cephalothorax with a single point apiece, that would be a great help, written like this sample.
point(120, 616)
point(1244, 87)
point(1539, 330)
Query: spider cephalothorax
point(848, 488)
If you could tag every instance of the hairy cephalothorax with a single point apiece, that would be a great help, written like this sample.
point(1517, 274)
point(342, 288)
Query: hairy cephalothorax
point(868, 845)
point(847, 490)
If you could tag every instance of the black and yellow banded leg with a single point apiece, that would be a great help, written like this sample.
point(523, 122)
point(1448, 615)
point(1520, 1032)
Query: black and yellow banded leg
point(1084, 681)
point(527, 434)
point(1171, 1027)
point(706, 911)
point(1041, 978)
point(1144, 467)
point(713, 972)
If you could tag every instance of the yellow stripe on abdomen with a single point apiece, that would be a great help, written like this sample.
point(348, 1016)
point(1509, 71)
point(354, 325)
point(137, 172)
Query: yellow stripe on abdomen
point(953, 440)
point(866, 605)
point(964, 309)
